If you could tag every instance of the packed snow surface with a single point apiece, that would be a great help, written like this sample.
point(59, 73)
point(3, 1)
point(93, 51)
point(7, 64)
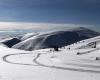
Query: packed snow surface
point(47, 64)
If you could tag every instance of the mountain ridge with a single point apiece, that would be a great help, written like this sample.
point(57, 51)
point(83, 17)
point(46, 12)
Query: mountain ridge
point(56, 39)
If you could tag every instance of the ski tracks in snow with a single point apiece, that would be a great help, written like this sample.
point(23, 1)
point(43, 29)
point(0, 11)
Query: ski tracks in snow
point(37, 63)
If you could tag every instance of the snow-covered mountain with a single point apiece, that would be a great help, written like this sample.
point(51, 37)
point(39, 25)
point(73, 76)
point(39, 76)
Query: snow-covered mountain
point(46, 64)
point(56, 39)
point(9, 42)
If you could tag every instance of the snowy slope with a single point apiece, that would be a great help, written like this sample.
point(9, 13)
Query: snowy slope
point(46, 64)
point(85, 43)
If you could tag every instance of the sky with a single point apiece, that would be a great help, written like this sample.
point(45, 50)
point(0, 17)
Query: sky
point(77, 12)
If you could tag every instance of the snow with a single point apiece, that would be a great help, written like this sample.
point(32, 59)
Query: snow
point(47, 64)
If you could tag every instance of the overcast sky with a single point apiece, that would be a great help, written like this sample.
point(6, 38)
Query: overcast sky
point(85, 12)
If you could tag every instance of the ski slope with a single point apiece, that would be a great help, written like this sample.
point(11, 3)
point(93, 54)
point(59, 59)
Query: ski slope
point(47, 64)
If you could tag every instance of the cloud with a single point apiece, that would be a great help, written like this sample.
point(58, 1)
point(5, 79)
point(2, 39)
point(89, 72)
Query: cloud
point(37, 26)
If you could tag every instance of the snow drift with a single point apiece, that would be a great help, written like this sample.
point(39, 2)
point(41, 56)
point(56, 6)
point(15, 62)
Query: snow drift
point(56, 39)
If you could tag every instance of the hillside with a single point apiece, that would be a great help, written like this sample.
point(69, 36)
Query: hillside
point(56, 39)
point(48, 64)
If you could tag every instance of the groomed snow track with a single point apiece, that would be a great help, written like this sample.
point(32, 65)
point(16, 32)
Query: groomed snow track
point(35, 60)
